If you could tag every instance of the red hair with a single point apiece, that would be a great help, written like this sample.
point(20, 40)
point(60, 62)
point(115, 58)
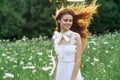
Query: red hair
point(82, 14)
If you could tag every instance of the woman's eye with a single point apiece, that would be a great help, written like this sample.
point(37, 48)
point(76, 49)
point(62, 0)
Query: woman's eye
point(65, 20)
point(70, 20)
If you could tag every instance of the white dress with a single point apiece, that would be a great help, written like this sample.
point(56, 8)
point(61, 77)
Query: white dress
point(66, 55)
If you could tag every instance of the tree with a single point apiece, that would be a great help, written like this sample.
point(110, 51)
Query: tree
point(107, 18)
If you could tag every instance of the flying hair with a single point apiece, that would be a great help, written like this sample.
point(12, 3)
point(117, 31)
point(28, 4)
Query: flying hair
point(83, 14)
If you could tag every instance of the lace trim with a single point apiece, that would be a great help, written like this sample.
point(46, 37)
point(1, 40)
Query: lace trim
point(73, 39)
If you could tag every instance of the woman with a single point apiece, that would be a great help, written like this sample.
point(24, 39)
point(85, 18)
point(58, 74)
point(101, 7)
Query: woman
point(70, 38)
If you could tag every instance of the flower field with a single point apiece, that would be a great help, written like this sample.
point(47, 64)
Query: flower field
point(33, 59)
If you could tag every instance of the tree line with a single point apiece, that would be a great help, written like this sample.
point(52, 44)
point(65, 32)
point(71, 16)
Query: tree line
point(32, 18)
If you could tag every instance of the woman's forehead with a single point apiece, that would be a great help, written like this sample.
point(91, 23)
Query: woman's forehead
point(67, 16)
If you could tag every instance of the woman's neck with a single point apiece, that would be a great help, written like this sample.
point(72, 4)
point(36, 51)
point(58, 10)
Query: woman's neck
point(63, 31)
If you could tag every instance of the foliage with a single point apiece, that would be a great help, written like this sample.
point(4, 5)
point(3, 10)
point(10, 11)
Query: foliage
point(107, 18)
point(10, 19)
point(31, 59)
point(32, 18)
point(25, 18)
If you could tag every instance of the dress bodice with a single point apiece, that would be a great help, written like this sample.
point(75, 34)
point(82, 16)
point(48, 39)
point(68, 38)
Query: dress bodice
point(66, 52)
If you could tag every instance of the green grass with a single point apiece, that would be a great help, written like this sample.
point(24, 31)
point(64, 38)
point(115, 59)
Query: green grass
point(30, 59)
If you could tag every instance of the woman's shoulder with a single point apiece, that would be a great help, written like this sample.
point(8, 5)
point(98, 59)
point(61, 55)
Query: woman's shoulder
point(74, 37)
point(76, 34)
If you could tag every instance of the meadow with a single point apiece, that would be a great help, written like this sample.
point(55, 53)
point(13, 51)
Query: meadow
point(33, 59)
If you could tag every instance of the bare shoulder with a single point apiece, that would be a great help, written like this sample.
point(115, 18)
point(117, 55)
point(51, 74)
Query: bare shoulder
point(77, 36)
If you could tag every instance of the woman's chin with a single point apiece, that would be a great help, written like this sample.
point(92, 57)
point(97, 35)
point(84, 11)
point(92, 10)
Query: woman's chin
point(67, 28)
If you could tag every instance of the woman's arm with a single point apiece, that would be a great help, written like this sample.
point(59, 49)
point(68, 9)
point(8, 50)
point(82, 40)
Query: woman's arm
point(77, 57)
point(56, 62)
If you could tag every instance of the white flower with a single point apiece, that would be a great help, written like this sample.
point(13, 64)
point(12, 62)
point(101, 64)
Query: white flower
point(105, 42)
point(1, 68)
point(21, 62)
point(29, 63)
point(92, 63)
point(46, 68)
point(28, 67)
point(24, 38)
point(10, 75)
point(95, 59)
point(34, 71)
point(4, 54)
point(112, 47)
point(40, 59)
point(94, 48)
point(31, 57)
point(96, 79)
point(40, 53)
point(107, 51)
point(88, 46)
point(88, 59)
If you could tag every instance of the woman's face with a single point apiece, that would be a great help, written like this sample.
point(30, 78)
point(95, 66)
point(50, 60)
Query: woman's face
point(66, 22)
